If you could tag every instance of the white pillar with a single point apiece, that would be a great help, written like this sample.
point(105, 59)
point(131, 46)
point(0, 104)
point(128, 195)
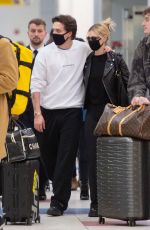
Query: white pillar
point(64, 6)
point(98, 10)
point(148, 2)
point(82, 11)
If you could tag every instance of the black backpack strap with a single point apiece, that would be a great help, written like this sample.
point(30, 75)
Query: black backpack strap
point(27, 64)
point(1, 36)
point(13, 98)
point(17, 52)
point(9, 104)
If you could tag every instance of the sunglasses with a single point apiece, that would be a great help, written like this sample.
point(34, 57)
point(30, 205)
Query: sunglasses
point(93, 38)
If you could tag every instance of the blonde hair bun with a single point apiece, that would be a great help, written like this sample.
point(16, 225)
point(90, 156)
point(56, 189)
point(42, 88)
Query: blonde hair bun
point(109, 23)
point(104, 28)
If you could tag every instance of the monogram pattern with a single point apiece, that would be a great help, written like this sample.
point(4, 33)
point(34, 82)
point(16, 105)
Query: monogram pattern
point(129, 122)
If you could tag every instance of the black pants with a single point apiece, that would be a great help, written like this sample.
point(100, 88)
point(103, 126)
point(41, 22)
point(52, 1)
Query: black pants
point(27, 118)
point(83, 161)
point(59, 149)
point(92, 117)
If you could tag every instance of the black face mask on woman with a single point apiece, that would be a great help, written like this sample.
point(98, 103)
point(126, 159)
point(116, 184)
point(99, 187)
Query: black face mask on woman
point(59, 39)
point(94, 44)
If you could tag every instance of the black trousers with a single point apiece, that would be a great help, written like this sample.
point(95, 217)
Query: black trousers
point(59, 148)
point(83, 161)
point(92, 117)
point(27, 118)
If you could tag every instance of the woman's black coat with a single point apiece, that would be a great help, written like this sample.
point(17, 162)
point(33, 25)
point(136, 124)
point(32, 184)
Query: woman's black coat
point(114, 84)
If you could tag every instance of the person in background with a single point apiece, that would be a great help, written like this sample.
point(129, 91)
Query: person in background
point(83, 163)
point(75, 182)
point(58, 91)
point(101, 88)
point(139, 81)
point(36, 33)
point(50, 40)
point(8, 82)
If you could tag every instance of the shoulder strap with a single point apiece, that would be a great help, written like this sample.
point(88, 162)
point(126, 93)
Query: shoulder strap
point(117, 60)
point(1, 36)
point(9, 104)
point(17, 52)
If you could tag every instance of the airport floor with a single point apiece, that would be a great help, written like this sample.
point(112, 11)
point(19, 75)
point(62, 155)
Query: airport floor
point(75, 218)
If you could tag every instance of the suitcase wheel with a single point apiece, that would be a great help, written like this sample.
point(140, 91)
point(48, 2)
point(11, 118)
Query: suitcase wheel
point(28, 221)
point(131, 223)
point(101, 220)
point(38, 219)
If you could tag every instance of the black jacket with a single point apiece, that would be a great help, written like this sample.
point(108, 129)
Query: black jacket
point(115, 86)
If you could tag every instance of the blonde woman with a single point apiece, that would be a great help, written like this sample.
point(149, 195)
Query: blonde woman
point(101, 88)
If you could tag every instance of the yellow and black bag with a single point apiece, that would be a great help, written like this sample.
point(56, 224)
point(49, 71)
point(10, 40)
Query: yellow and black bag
point(18, 99)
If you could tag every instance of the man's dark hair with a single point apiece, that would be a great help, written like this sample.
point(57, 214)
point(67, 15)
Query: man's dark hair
point(146, 11)
point(37, 21)
point(69, 23)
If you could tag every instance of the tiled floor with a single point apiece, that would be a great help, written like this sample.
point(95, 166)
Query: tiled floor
point(75, 218)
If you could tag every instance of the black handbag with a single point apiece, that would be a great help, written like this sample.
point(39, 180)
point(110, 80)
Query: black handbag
point(21, 142)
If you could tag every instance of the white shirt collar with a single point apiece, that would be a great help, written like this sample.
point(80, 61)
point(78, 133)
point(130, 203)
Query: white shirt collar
point(36, 49)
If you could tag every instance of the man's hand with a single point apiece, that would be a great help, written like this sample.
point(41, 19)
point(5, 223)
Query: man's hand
point(107, 49)
point(140, 101)
point(39, 123)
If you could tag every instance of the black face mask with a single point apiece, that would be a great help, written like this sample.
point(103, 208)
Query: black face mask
point(59, 39)
point(94, 44)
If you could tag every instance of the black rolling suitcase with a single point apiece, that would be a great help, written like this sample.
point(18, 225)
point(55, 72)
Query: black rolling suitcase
point(20, 191)
point(123, 179)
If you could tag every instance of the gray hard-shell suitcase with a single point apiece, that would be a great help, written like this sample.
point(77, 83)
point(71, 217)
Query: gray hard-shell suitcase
point(123, 179)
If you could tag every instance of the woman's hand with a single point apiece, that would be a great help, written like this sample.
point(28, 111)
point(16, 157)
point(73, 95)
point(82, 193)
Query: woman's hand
point(108, 48)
